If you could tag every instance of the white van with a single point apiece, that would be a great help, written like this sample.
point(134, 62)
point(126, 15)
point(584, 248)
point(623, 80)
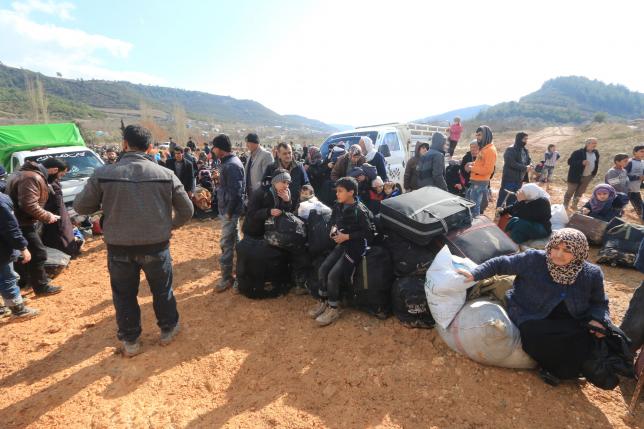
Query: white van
point(395, 141)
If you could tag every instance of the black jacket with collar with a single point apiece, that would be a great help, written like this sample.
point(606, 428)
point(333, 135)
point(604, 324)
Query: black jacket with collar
point(577, 167)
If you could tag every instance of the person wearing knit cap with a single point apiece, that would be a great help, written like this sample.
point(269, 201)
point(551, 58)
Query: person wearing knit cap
point(230, 202)
point(258, 161)
point(284, 160)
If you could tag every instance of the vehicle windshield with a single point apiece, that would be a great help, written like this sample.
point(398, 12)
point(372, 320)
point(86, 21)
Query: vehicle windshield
point(348, 139)
point(81, 163)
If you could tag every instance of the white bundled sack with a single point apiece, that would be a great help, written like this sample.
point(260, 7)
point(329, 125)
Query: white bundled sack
point(313, 203)
point(483, 332)
point(445, 288)
point(558, 217)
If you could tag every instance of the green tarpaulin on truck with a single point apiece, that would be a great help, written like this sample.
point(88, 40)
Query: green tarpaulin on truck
point(15, 138)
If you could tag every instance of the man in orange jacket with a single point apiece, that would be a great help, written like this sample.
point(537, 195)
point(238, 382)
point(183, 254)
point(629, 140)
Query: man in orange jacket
point(481, 169)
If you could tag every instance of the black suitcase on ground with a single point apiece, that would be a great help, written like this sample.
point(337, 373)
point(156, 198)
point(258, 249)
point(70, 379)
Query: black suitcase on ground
point(408, 258)
point(370, 288)
point(425, 213)
point(262, 270)
point(318, 228)
point(481, 241)
point(621, 243)
point(409, 302)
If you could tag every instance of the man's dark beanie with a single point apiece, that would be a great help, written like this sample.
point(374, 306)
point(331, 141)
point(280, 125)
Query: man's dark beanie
point(222, 142)
point(252, 138)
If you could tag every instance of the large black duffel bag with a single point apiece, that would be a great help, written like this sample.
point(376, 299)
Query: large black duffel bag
point(285, 231)
point(481, 241)
point(425, 213)
point(409, 302)
point(408, 258)
point(621, 243)
point(262, 270)
point(370, 288)
point(318, 228)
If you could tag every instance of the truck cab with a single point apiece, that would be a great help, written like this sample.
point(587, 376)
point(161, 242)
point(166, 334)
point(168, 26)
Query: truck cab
point(395, 141)
point(81, 161)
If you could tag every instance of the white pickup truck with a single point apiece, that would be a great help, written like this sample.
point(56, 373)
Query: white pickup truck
point(396, 141)
point(21, 143)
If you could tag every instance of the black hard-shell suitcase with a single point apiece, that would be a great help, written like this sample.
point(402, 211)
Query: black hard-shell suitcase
point(425, 213)
point(408, 258)
point(481, 241)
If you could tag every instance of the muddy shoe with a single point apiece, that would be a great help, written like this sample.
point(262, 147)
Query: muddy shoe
point(23, 312)
point(4, 312)
point(319, 308)
point(48, 290)
point(131, 348)
point(328, 317)
point(168, 336)
point(223, 285)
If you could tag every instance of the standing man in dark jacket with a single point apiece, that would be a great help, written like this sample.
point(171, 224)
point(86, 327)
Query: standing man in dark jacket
point(431, 166)
point(29, 192)
point(410, 182)
point(230, 202)
point(12, 246)
point(583, 164)
point(295, 169)
point(183, 169)
point(138, 197)
point(516, 165)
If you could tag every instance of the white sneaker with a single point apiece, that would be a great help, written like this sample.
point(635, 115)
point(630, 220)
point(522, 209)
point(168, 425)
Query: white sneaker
point(328, 317)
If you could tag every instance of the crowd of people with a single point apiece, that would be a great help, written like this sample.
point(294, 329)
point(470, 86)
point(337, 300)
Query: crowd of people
point(557, 299)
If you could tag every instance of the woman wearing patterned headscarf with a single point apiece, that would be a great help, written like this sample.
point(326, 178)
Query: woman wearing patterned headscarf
point(556, 298)
point(605, 203)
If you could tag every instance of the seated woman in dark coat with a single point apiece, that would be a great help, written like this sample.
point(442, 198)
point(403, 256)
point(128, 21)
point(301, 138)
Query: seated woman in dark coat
point(530, 214)
point(605, 203)
point(556, 297)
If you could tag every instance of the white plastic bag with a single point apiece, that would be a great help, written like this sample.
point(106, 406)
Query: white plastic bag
point(305, 208)
point(445, 288)
point(483, 332)
point(558, 217)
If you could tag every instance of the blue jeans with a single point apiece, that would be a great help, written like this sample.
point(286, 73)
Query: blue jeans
point(9, 285)
point(228, 241)
point(476, 192)
point(125, 268)
point(513, 187)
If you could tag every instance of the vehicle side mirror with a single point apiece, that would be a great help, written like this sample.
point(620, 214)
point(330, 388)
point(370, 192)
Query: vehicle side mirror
point(384, 150)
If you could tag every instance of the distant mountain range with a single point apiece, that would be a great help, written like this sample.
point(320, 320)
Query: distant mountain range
point(78, 99)
point(465, 114)
point(571, 99)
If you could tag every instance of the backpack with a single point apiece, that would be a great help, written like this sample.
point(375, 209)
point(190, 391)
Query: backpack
point(318, 228)
point(285, 231)
point(621, 243)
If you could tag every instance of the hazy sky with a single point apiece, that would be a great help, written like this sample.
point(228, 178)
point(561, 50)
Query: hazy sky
point(354, 62)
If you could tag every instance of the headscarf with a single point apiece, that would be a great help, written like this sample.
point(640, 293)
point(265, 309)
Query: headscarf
point(369, 148)
point(595, 204)
point(314, 155)
point(532, 192)
point(518, 140)
point(576, 243)
point(487, 135)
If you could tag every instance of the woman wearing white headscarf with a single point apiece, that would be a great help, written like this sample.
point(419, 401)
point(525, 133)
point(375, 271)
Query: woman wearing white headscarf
point(374, 157)
point(530, 214)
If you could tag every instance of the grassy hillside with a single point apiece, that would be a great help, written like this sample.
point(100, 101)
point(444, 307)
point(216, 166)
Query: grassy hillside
point(125, 95)
point(571, 99)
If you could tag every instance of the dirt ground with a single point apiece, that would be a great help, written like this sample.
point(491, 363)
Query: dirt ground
point(255, 364)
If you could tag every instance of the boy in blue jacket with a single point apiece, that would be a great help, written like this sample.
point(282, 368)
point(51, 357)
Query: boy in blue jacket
point(12, 246)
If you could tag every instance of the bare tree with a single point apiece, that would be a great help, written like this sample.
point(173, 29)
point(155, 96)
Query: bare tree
point(180, 120)
point(37, 99)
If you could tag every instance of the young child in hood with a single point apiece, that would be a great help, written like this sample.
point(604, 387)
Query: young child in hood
point(392, 190)
point(605, 203)
point(308, 202)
